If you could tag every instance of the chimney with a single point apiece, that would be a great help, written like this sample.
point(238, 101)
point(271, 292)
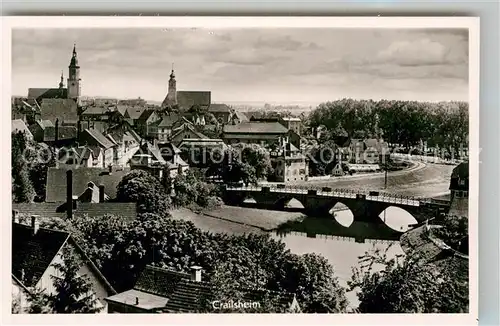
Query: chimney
point(74, 203)
point(56, 131)
point(15, 216)
point(110, 169)
point(196, 273)
point(69, 194)
point(136, 300)
point(35, 223)
point(101, 193)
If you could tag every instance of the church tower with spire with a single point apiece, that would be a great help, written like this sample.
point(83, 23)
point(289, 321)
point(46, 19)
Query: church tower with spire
point(171, 97)
point(61, 83)
point(74, 77)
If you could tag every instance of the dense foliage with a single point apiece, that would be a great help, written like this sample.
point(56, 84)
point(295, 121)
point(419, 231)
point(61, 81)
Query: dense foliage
point(22, 187)
point(144, 189)
point(454, 231)
point(192, 191)
point(406, 123)
point(410, 284)
point(125, 248)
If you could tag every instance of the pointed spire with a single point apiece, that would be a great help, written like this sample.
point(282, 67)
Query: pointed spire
point(172, 74)
point(74, 59)
point(61, 83)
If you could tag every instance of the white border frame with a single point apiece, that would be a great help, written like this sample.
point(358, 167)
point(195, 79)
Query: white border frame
point(471, 23)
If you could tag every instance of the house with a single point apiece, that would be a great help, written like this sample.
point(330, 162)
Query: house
point(96, 140)
point(221, 112)
point(18, 125)
point(146, 124)
point(126, 139)
point(78, 157)
point(56, 186)
point(292, 123)
point(44, 131)
point(131, 113)
point(187, 131)
point(133, 102)
point(179, 124)
point(368, 151)
point(21, 109)
point(165, 126)
point(188, 99)
point(148, 158)
point(39, 94)
point(160, 290)
point(289, 163)
point(238, 117)
point(35, 251)
point(459, 188)
point(63, 109)
point(263, 133)
point(100, 118)
point(201, 151)
point(172, 155)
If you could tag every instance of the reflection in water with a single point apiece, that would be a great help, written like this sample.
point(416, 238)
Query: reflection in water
point(342, 214)
point(397, 218)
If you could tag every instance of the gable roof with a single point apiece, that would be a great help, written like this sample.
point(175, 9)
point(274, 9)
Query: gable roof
point(134, 112)
point(461, 171)
point(169, 120)
point(65, 133)
point(32, 253)
point(45, 123)
point(150, 149)
point(146, 114)
point(191, 128)
point(219, 108)
point(44, 93)
point(64, 109)
point(56, 181)
point(100, 138)
point(256, 128)
point(128, 211)
point(187, 99)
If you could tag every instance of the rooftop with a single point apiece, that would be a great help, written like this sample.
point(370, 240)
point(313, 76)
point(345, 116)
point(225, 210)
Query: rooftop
point(256, 128)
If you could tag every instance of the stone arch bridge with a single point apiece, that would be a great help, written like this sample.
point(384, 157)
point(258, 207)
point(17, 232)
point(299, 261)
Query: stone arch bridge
point(365, 206)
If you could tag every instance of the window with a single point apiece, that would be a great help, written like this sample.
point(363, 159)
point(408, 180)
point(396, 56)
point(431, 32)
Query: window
point(461, 182)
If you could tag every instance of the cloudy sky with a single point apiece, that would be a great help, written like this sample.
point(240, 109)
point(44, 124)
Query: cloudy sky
point(302, 66)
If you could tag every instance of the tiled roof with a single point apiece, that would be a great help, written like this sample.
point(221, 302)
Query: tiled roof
point(146, 114)
point(33, 253)
point(192, 129)
point(150, 149)
point(159, 281)
point(44, 93)
point(181, 294)
point(186, 99)
point(45, 123)
point(95, 110)
point(256, 128)
point(222, 108)
point(127, 211)
point(63, 109)
point(169, 120)
point(135, 112)
point(65, 133)
point(100, 138)
point(56, 181)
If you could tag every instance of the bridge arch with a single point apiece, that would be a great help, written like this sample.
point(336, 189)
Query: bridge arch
point(397, 218)
point(289, 202)
point(342, 214)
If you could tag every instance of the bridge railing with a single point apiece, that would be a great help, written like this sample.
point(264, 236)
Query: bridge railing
point(345, 193)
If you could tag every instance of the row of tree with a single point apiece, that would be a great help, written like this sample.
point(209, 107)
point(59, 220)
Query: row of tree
point(443, 124)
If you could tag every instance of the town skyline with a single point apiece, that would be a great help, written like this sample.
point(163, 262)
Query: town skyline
point(245, 66)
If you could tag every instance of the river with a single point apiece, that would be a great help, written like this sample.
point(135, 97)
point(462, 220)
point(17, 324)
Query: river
point(321, 236)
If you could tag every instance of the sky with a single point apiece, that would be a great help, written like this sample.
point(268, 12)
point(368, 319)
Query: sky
point(303, 66)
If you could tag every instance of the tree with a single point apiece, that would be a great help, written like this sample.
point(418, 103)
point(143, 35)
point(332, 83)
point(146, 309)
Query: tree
point(412, 285)
point(22, 187)
point(144, 189)
point(73, 292)
point(454, 231)
point(39, 302)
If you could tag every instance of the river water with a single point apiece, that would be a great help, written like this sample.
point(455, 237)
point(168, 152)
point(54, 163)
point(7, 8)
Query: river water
point(429, 181)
